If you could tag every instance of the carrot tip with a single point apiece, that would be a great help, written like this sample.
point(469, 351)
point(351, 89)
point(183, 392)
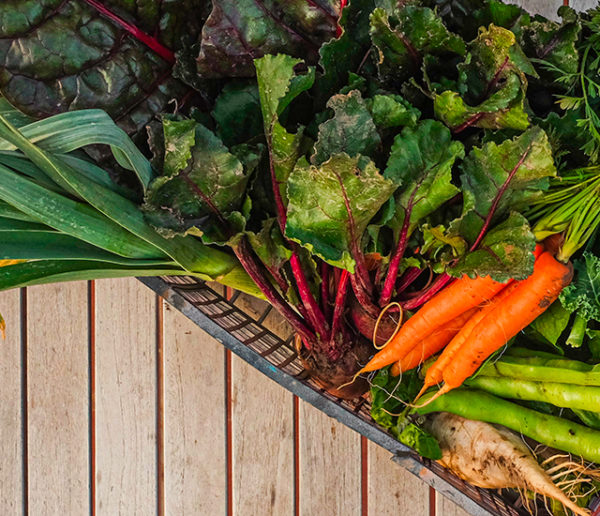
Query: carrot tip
point(446, 388)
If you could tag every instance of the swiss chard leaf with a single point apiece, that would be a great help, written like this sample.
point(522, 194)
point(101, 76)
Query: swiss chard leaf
point(59, 56)
point(505, 252)
point(237, 113)
point(351, 130)
point(278, 86)
point(392, 111)
point(491, 87)
point(421, 163)
point(554, 43)
point(269, 246)
point(331, 205)
point(237, 32)
point(202, 184)
point(341, 56)
point(402, 41)
point(519, 168)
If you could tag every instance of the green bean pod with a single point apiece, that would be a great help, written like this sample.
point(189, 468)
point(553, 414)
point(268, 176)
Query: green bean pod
point(548, 360)
point(546, 429)
point(558, 394)
point(541, 373)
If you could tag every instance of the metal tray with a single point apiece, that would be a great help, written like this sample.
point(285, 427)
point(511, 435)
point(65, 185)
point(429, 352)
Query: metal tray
point(243, 332)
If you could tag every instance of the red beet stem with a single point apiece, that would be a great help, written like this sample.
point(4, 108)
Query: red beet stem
point(363, 297)
point(340, 303)
point(150, 41)
point(496, 200)
point(441, 281)
point(325, 306)
point(315, 315)
point(408, 278)
point(392, 274)
point(255, 270)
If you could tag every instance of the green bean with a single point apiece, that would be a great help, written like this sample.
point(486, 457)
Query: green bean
point(546, 360)
point(540, 373)
point(558, 394)
point(544, 428)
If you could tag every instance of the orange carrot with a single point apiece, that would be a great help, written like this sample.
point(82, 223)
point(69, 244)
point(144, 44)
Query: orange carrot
point(527, 301)
point(434, 374)
point(458, 297)
point(431, 344)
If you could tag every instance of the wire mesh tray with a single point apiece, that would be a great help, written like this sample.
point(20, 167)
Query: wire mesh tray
point(239, 324)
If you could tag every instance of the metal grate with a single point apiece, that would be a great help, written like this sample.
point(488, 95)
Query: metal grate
point(238, 321)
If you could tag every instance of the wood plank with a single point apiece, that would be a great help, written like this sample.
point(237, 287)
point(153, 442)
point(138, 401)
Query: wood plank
point(194, 417)
point(330, 465)
point(446, 507)
point(262, 424)
point(262, 443)
point(392, 489)
point(126, 395)
point(546, 8)
point(11, 463)
point(57, 399)
point(583, 5)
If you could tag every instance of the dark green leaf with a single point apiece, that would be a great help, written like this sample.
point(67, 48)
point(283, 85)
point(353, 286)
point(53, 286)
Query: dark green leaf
point(237, 32)
point(50, 245)
point(421, 163)
point(583, 294)
point(392, 111)
point(491, 87)
point(269, 246)
point(402, 45)
point(527, 159)
point(201, 185)
point(505, 252)
point(331, 205)
point(237, 113)
point(59, 56)
point(390, 394)
point(351, 130)
point(342, 56)
point(549, 326)
point(419, 440)
point(554, 43)
point(278, 86)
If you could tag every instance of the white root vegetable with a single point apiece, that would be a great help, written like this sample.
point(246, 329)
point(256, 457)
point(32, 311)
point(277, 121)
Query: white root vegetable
point(492, 457)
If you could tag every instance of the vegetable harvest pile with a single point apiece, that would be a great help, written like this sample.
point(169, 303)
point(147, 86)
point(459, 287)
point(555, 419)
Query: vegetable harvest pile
point(413, 185)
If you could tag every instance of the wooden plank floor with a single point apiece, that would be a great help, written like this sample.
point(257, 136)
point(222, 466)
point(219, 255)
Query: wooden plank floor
point(113, 403)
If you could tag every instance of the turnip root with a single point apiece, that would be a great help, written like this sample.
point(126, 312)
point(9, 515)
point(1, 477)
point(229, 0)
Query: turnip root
point(492, 457)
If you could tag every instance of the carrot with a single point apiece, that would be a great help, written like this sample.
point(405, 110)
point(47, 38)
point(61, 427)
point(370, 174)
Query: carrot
point(458, 297)
point(434, 374)
point(529, 299)
point(431, 344)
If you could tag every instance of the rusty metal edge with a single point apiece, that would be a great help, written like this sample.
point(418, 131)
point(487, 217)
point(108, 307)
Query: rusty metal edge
point(402, 454)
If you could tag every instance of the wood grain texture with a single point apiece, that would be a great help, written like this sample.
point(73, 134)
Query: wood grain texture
point(57, 399)
point(330, 465)
point(392, 489)
point(262, 444)
point(194, 419)
point(445, 507)
point(11, 463)
point(125, 393)
point(583, 5)
point(546, 8)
